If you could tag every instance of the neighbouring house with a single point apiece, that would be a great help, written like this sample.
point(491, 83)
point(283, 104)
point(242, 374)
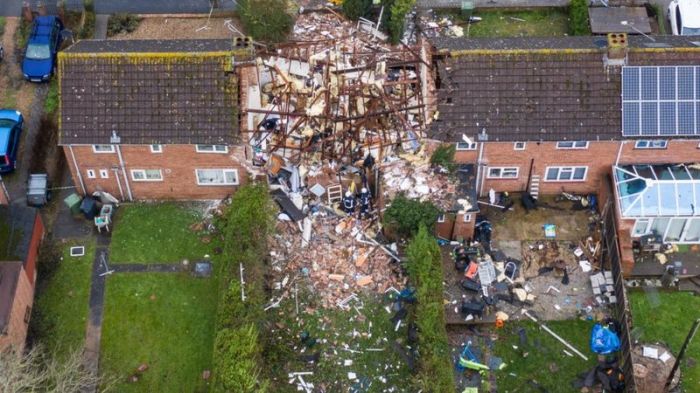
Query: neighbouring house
point(21, 233)
point(546, 115)
point(150, 119)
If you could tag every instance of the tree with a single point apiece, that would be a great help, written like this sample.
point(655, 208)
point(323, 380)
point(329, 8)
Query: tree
point(354, 9)
point(37, 371)
point(249, 220)
point(266, 20)
point(405, 215)
point(444, 156)
point(397, 17)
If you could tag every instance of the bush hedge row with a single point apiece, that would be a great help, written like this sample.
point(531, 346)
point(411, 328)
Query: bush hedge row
point(238, 346)
point(425, 271)
point(578, 17)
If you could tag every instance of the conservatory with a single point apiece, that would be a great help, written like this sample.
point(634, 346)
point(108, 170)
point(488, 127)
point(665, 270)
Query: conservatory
point(662, 199)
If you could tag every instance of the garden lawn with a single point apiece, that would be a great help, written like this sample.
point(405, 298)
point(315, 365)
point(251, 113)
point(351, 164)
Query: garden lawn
point(156, 233)
point(61, 302)
point(667, 319)
point(341, 336)
point(164, 320)
point(535, 23)
point(544, 353)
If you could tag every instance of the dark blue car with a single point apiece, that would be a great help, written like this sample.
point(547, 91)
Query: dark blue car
point(10, 130)
point(42, 46)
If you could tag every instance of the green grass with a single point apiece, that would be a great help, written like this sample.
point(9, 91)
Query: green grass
point(536, 23)
point(336, 326)
point(10, 99)
point(2, 25)
point(51, 102)
point(61, 306)
point(156, 233)
point(543, 351)
point(163, 320)
point(668, 321)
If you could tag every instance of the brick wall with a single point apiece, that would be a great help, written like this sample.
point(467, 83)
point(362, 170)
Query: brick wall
point(176, 162)
point(455, 226)
point(4, 196)
point(33, 252)
point(21, 309)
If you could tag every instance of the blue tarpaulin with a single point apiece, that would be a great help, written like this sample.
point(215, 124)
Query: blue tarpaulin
point(604, 340)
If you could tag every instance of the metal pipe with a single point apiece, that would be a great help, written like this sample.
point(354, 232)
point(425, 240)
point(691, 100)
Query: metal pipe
point(77, 169)
point(126, 178)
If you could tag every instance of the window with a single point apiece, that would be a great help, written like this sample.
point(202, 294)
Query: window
point(466, 146)
point(641, 227)
point(104, 174)
point(572, 145)
point(103, 148)
point(212, 149)
point(146, 175)
point(91, 174)
point(217, 177)
point(503, 172)
point(156, 148)
point(467, 218)
point(566, 173)
point(651, 144)
point(441, 218)
point(519, 146)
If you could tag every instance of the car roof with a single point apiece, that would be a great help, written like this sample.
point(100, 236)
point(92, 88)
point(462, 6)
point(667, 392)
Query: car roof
point(42, 29)
point(4, 139)
point(690, 13)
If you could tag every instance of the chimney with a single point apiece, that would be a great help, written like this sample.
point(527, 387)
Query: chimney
point(617, 49)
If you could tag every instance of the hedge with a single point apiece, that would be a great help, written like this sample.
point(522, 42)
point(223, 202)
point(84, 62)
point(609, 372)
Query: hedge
point(266, 20)
point(578, 17)
point(397, 16)
point(425, 271)
point(238, 346)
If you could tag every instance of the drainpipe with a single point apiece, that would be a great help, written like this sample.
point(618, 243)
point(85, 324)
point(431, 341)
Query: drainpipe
point(119, 183)
point(77, 169)
point(479, 179)
point(126, 178)
point(619, 152)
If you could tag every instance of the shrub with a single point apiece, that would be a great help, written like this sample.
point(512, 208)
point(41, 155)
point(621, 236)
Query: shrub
point(397, 16)
point(425, 271)
point(51, 102)
point(239, 359)
point(444, 156)
point(266, 20)
point(122, 23)
point(405, 215)
point(354, 9)
point(88, 29)
point(578, 17)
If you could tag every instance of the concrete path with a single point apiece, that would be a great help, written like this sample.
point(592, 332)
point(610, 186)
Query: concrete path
point(101, 26)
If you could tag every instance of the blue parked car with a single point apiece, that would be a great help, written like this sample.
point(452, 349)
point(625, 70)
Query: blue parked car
point(42, 46)
point(10, 130)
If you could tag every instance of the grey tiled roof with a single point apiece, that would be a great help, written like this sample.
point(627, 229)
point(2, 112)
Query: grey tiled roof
point(149, 92)
point(533, 95)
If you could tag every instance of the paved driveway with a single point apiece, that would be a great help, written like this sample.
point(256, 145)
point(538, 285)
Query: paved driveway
point(13, 7)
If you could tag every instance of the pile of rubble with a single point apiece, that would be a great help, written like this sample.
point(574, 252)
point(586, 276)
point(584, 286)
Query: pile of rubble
point(433, 25)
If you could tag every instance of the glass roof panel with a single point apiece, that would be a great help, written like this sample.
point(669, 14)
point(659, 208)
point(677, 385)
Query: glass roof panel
point(645, 171)
point(662, 172)
point(685, 199)
point(669, 201)
point(650, 200)
point(679, 172)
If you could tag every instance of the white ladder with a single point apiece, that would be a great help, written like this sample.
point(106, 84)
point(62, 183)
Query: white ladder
point(535, 186)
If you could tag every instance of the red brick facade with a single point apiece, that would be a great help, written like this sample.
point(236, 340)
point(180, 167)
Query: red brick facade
point(177, 165)
point(456, 227)
point(19, 315)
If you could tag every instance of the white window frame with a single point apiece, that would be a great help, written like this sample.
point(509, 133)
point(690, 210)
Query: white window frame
point(519, 145)
point(651, 144)
point(501, 170)
point(641, 221)
point(561, 169)
point(91, 174)
point(198, 149)
point(575, 145)
point(233, 170)
point(156, 148)
point(96, 147)
point(145, 179)
point(467, 217)
point(464, 146)
point(104, 174)
point(441, 218)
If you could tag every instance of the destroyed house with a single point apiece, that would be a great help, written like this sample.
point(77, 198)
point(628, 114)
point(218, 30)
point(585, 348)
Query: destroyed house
point(150, 119)
point(21, 233)
point(546, 115)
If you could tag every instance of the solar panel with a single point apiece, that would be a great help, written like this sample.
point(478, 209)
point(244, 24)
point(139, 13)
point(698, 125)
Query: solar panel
point(661, 100)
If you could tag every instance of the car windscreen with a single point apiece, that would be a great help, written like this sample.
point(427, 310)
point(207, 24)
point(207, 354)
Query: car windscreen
point(38, 51)
point(690, 31)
